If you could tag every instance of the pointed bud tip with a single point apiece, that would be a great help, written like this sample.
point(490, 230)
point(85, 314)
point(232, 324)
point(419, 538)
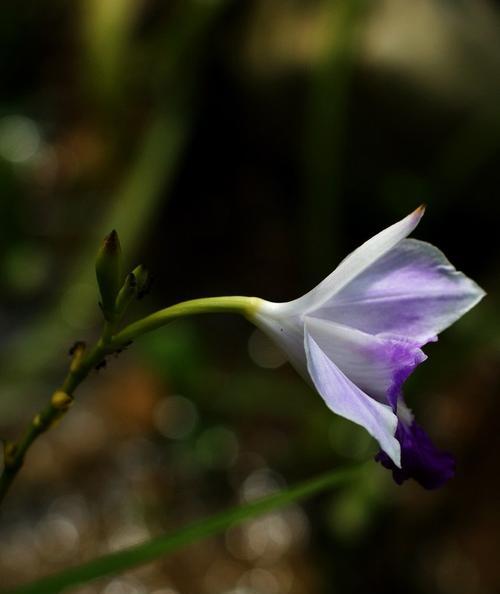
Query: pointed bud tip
point(131, 280)
point(421, 209)
point(108, 267)
point(112, 242)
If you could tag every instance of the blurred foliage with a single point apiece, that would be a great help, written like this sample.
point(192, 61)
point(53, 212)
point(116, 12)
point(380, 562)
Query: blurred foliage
point(242, 148)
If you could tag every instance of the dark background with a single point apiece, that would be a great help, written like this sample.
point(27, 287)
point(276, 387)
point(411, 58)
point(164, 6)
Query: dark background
point(242, 147)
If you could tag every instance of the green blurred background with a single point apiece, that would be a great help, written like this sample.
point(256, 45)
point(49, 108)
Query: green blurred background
point(242, 147)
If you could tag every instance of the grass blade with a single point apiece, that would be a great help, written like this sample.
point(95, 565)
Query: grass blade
point(164, 545)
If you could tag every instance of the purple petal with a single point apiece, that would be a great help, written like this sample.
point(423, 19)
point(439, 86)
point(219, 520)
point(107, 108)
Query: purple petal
point(378, 366)
point(420, 459)
point(412, 291)
point(344, 398)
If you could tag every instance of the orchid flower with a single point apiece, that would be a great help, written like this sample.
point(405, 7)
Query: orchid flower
point(358, 335)
point(355, 337)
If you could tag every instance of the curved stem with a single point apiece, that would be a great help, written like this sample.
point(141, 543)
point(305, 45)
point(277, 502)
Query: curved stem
point(14, 453)
point(245, 306)
point(108, 342)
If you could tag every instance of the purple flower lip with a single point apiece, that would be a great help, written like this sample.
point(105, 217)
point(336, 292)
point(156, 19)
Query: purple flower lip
point(420, 459)
point(357, 336)
point(405, 358)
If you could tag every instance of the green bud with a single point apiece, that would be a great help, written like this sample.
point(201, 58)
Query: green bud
point(9, 453)
point(61, 401)
point(126, 294)
point(143, 278)
point(108, 269)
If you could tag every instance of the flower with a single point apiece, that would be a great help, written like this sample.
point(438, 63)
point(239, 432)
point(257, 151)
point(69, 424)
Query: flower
point(358, 335)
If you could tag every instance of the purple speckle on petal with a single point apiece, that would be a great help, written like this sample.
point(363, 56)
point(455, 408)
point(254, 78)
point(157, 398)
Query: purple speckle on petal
point(420, 459)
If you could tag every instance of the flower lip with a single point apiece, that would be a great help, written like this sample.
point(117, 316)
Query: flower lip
point(408, 364)
point(420, 459)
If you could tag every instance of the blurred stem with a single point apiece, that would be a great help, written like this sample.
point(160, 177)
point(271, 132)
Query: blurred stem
point(242, 305)
point(325, 133)
point(106, 31)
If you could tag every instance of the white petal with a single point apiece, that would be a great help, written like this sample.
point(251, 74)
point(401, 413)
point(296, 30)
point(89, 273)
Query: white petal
point(355, 263)
point(287, 331)
point(412, 291)
point(379, 366)
point(344, 398)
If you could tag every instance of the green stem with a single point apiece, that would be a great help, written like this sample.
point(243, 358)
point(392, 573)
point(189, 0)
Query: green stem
point(14, 453)
point(107, 343)
point(245, 306)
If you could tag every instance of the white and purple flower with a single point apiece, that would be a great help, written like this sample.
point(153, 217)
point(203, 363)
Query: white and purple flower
point(358, 335)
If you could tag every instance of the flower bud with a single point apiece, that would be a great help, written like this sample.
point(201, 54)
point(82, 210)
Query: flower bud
point(126, 294)
point(108, 268)
point(143, 278)
point(61, 401)
point(9, 453)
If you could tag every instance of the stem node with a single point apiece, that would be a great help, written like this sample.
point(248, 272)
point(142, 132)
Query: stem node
point(61, 401)
point(9, 454)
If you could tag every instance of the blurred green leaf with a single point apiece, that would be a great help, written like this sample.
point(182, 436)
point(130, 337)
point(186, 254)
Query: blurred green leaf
point(164, 545)
point(35, 348)
point(325, 133)
point(38, 347)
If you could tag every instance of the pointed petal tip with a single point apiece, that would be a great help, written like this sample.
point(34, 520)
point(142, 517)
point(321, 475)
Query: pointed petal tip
point(111, 241)
point(420, 211)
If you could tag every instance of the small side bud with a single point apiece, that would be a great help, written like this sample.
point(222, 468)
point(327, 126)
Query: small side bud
point(61, 401)
point(38, 421)
point(108, 269)
point(144, 280)
point(126, 294)
point(9, 453)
